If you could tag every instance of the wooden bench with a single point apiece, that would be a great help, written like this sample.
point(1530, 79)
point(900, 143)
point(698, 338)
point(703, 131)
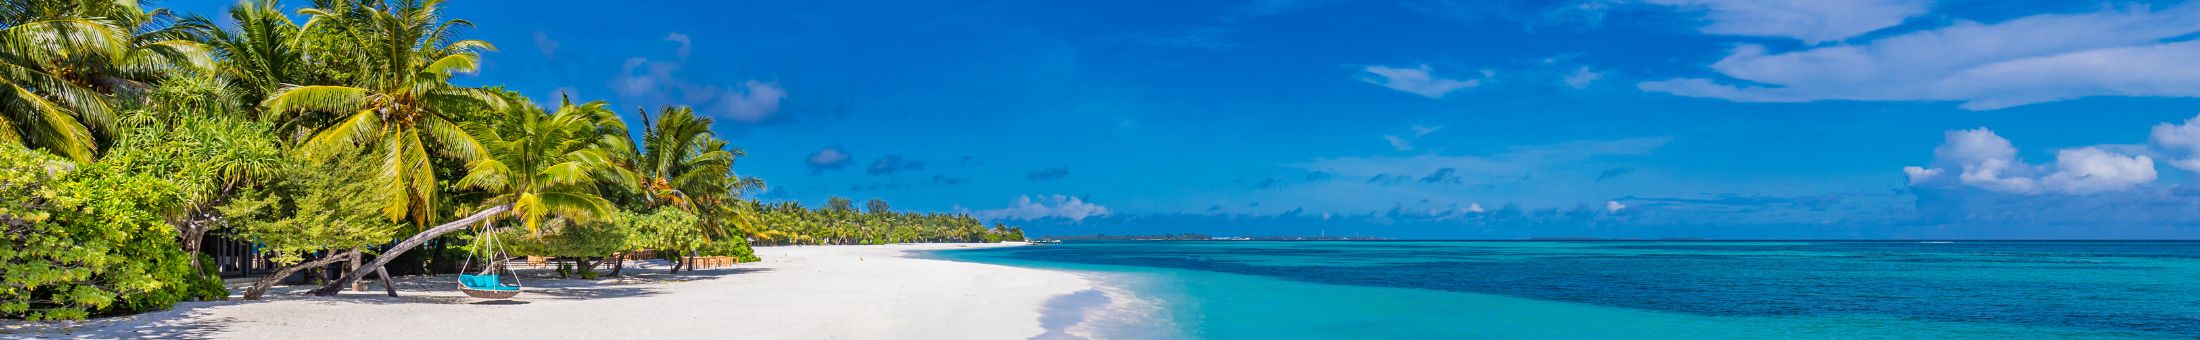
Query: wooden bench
point(707, 262)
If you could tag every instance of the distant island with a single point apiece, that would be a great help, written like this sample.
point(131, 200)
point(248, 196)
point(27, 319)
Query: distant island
point(1587, 238)
point(1203, 237)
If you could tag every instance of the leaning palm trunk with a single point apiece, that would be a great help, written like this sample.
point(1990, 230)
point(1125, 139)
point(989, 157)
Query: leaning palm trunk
point(260, 287)
point(409, 244)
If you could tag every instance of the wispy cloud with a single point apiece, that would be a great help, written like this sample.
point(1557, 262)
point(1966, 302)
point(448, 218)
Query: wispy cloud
point(1806, 20)
point(1416, 80)
point(686, 45)
point(2181, 141)
point(827, 159)
point(1614, 173)
point(890, 164)
point(2112, 52)
point(648, 82)
point(1399, 143)
point(1044, 206)
point(1582, 78)
point(1404, 143)
point(1424, 130)
point(549, 47)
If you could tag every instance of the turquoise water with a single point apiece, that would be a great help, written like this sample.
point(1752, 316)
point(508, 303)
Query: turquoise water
point(1415, 290)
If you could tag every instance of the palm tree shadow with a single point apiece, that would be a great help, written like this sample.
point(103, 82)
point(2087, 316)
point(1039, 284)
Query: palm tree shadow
point(179, 323)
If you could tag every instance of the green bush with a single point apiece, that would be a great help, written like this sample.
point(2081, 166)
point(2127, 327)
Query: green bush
point(83, 242)
point(208, 287)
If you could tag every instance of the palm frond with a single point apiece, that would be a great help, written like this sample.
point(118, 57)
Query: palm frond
point(323, 98)
point(346, 135)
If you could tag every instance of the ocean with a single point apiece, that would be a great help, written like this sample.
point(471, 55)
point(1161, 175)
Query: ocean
point(1619, 289)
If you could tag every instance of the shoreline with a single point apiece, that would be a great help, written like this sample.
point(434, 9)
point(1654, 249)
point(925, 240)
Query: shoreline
point(806, 292)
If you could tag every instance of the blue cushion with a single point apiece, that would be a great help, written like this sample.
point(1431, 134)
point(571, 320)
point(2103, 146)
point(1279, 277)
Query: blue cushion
point(483, 282)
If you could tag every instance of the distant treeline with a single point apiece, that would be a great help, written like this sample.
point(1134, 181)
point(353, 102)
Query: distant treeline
point(1204, 237)
point(838, 222)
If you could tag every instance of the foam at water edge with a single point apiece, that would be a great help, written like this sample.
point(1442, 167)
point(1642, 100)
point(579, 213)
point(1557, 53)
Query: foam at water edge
point(1112, 309)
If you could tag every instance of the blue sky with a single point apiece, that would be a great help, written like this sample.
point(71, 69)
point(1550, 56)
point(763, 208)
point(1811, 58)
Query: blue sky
point(1433, 118)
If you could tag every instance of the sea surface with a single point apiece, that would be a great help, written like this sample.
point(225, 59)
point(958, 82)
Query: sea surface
point(1615, 289)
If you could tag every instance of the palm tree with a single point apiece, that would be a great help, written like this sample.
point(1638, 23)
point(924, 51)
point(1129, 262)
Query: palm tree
point(400, 103)
point(64, 64)
point(261, 53)
point(542, 165)
point(681, 162)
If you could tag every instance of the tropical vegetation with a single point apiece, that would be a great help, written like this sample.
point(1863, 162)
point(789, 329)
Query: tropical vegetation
point(334, 132)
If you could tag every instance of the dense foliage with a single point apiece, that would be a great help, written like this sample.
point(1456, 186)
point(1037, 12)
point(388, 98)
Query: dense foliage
point(323, 134)
point(80, 242)
point(311, 211)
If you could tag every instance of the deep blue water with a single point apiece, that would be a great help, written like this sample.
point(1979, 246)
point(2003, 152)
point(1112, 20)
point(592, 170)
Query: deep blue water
point(1400, 289)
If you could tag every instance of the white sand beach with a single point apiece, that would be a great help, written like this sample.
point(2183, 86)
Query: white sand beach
point(812, 292)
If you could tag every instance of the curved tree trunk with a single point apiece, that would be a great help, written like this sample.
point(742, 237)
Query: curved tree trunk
point(190, 236)
point(676, 264)
point(619, 262)
point(408, 244)
point(260, 287)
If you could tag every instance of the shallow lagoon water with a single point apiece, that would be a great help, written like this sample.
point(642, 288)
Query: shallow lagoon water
point(1396, 289)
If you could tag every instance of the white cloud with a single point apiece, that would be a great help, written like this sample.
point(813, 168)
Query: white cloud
point(1614, 206)
point(686, 44)
point(2034, 59)
point(2093, 170)
point(1398, 142)
point(756, 103)
point(650, 83)
point(1423, 130)
point(1416, 80)
point(1045, 206)
point(828, 156)
point(1919, 174)
point(827, 159)
point(1987, 161)
point(1475, 208)
point(2181, 138)
point(1812, 21)
point(1582, 77)
point(1403, 143)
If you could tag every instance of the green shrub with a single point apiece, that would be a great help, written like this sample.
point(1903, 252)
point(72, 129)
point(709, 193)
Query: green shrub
point(208, 286)
point(83, 242)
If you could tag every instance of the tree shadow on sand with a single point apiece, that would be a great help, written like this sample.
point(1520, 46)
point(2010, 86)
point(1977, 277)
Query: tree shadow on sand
point(190, 321)
point(180, 323)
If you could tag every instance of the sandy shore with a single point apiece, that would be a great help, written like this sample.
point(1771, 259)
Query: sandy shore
point(816, 292)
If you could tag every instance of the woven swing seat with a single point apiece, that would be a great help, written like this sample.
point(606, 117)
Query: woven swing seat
point(488, 294)
point(487, 285)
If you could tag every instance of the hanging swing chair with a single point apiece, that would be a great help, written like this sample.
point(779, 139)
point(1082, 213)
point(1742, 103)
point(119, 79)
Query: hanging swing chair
point(488, 283)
